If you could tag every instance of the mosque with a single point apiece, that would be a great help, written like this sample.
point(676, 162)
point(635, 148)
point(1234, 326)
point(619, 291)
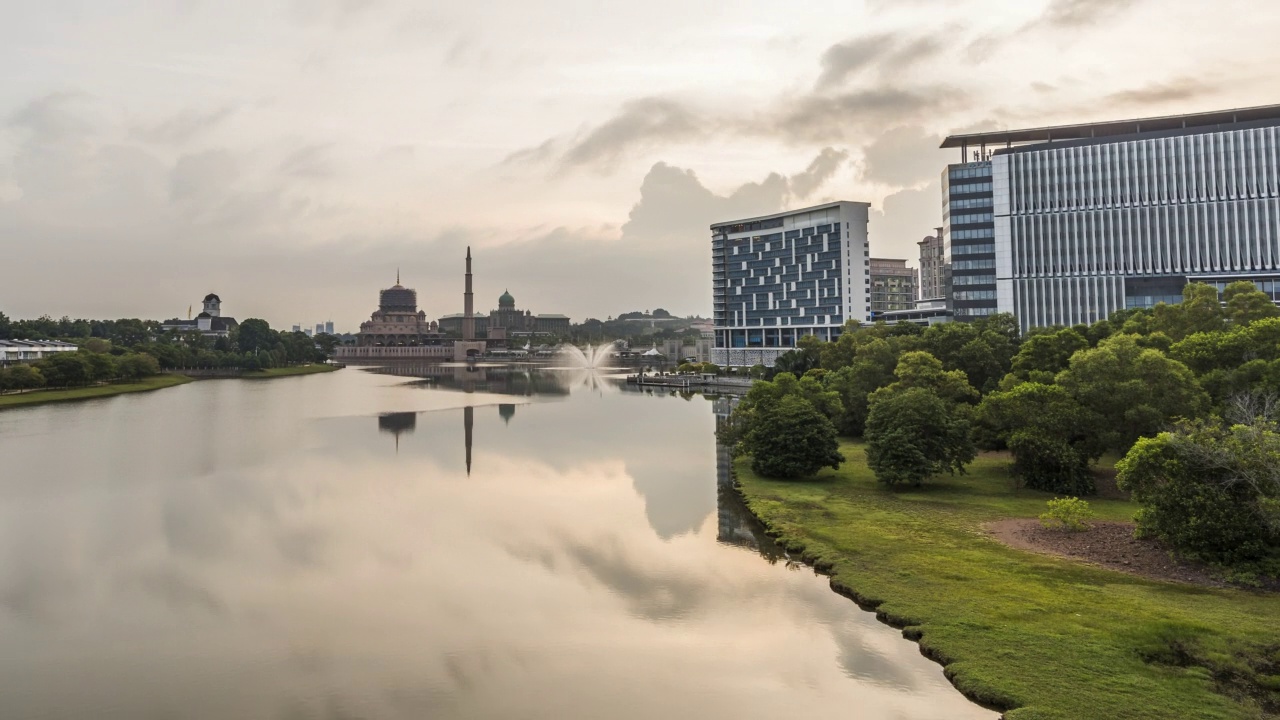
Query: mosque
point(398, 322)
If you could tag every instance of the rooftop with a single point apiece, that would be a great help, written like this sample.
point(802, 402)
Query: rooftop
point(788, 213)
point(1115, 127)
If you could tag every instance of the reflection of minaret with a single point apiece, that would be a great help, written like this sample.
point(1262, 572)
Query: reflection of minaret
point(468, 305)
point(397, 423)
point(506, 411)
point(468, 420)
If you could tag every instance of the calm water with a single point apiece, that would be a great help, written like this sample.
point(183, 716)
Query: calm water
point(314, 547)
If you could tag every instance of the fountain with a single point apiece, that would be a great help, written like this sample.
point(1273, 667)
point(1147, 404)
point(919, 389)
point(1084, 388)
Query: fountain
point(589, 358)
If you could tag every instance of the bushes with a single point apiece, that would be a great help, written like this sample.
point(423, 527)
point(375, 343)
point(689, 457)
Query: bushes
point(1210, 491)
point(1071, 514)
point(792, 440)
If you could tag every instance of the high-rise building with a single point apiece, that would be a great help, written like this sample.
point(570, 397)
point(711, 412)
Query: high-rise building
point(779, 277)
point(319, 328)
point(893, 286)
point(968, 237)
point(1088, 219)
point(933, 267)
point(328, 327)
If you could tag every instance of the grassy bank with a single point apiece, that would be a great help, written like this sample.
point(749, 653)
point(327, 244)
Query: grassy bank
point(37, 397)
point(291, 370)
point(1052, 638)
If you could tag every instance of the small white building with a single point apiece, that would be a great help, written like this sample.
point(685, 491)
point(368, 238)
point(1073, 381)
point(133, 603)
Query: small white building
point(24, 351)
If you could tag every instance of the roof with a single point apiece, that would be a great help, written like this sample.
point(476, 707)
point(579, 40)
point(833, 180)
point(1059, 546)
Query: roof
point(1115, 127)
point(552, 316)
point(788, 213)
point(43, 344)
point(212, 298)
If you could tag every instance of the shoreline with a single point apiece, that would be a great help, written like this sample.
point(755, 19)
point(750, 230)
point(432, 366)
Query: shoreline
point(1032, 635)
point(155, 382)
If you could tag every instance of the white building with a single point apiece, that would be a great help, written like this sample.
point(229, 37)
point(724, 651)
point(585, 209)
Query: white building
point(24, 351)
point(209, 322)
point(780, 277)
point(1089, 219)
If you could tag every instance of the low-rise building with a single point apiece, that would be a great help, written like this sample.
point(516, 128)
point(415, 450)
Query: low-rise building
point(13, 352)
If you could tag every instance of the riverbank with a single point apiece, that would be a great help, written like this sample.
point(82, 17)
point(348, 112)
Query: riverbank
point(311, 369)
point(1040, 636)
point(37, 397)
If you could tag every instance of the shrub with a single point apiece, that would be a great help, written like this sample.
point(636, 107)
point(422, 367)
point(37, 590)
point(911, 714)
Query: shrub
point(791, 440)
point(1069, 514)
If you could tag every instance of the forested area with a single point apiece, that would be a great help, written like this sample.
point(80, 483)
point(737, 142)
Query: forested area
point(1185, 393)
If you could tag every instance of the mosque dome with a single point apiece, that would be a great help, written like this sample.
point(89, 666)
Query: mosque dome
point(506, 301)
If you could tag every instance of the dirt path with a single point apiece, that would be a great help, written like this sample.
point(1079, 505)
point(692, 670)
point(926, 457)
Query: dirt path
point(1108, 544)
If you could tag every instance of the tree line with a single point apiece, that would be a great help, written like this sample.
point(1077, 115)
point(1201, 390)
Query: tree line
point(1180, 391)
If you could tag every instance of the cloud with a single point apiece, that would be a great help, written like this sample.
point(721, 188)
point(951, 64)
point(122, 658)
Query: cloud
point(902, 157)
point(903, 219)
point(825, 165)
point(1064, 14)
point(640, 124)
point(817, 118)
point(1178, 89)
point(202, 177)
point(54, 117)
point(312, 161)
point(185, 126)
point(885, 53)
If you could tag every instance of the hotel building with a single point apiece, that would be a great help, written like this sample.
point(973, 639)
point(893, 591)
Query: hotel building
point(779, 277)
point(1064, 225)
point(893, 286)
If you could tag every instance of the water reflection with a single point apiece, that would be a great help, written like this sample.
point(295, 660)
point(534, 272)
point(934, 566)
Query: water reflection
point(303, 570)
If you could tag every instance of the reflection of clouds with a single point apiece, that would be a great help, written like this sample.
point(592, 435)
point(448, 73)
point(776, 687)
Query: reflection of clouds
point(331, 578)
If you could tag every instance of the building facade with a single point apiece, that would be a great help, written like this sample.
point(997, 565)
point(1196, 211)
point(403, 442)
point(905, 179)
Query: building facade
point(968, 238)
point(893, 286)
point(518, 323)
point(1089, 219)
point(934, 267)
point(398, 322)
point(780, 277)
point(13, 352)
point(209, 323)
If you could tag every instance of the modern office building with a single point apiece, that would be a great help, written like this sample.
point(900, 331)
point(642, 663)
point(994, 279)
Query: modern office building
point(968, 238)
point(893, 286)
point(1088, 219)
point(779, 277)
point(934, 267)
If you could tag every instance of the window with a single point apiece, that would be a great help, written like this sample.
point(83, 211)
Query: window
point(974, 265)
point(972, 218)
point(975, 295)
point(977, 249)
point(973, 280)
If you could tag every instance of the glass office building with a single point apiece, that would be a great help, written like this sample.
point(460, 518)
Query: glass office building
point(968, 236)
point(780, 277)
point(1089, 219)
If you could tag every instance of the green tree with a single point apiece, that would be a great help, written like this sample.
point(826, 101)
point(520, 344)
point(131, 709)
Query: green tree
point(792, 440)
point(65, 369)
point(102, 367)
point(1052, 438)
point(136, 366)
point(1199, 311)
point(1135, 391)
point(1209, 490)
point(256, 335)
point(1246, 303)
point(1047, 353)
point(5, 326)
point(870, 370)
point(913, 435)
point(919, 369)
point(23, 377)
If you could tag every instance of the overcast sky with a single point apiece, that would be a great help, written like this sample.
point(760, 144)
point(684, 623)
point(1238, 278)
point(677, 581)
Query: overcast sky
point(291, 155)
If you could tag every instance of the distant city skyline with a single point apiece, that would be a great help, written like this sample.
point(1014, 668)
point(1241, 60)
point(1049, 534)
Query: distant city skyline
point(290, 156)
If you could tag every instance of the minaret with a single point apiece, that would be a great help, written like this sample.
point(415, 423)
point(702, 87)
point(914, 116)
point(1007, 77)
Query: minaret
point(468, 422)
point(468, 307)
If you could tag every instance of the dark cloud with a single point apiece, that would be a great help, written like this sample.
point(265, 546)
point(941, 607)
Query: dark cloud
point(825, 165)
point(54, 117)
point(819, 118)
point(640, 124)
point(903, 157)
point(903, 219)
point(886, 53)
point(1161, 92)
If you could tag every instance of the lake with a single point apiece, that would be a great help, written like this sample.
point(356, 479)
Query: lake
point(496, 544)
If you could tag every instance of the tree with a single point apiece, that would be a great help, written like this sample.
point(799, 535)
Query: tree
point(102, 367)
point(256, 336)
point(1053, 439)
point(1210, 491)
point(1246, 303)
point(1047, 353)
point(792, 440)
point(919, 369)
point(23, 377)
point(1134, 391)
point(1199, 311)
point(5, 326)
point(870, 370)
point(65, 369)
point(913, 435)
point(136, 366)
point(806, 356)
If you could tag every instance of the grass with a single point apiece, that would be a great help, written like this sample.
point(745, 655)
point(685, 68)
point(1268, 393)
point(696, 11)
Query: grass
point(37, 397)
point(1039, 636)
point(291, 370)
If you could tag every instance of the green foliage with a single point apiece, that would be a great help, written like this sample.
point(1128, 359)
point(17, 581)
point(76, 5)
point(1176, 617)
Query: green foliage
point(255, 335)
point(792, 440)
point(1247, 304)
point(1069, 514)
point(136, 366)
point(919, 369)
point(1199, 311)
point(912, 435)
point(1049, 352)
point(21, 378)
point(66, 369)
point(758, 372)
point(710, 368)
point(1210, 490)
point(1134, 391)
point(1052, 437)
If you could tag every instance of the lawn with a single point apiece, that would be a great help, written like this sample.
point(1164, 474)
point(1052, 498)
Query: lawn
point(36, 397)
point(1040, 636)
point(291, 370)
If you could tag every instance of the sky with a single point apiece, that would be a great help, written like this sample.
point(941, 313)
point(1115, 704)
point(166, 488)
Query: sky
point(291, 156)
